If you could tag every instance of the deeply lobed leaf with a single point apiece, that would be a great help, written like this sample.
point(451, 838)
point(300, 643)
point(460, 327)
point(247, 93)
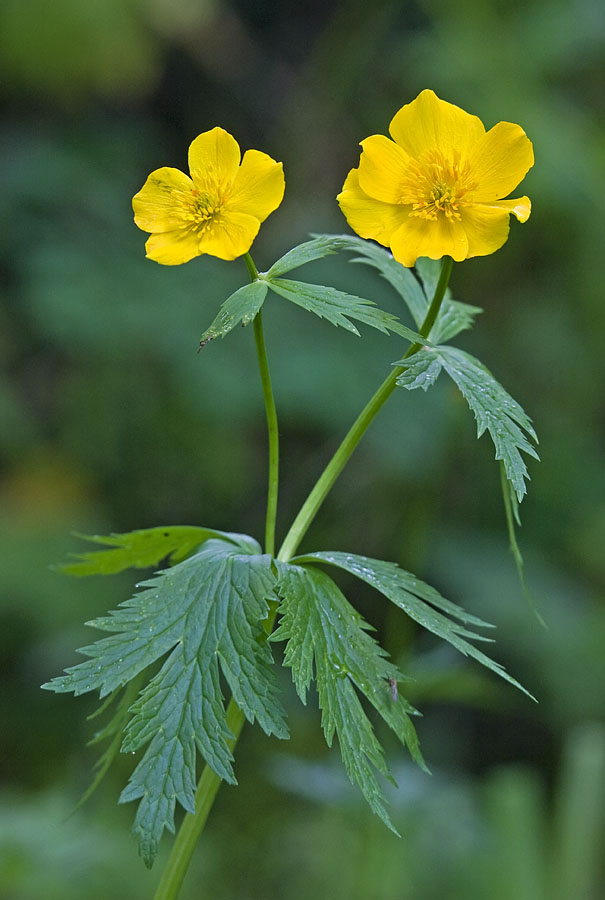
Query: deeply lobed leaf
point(140, 549)
point(339, 308)
point(323, 631)
point(494, 409)
point(111, 732)
point(323, 245)
point(205, 611)
point(419, 600)
point(415, 287)
point(240, 308)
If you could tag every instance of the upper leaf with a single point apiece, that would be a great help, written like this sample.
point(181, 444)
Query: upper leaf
point(325, 631)
point(420, 601)
point(416, 290)
point(323, 245)
point(140, 549)
point(511, 511)
point(338, 307)
point(205, 610)
point(494, 408)
point(240, 307)
point(421, 371)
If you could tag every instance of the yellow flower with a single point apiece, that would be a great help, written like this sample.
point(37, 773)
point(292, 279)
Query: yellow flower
point(436, 189)
point(218, 210)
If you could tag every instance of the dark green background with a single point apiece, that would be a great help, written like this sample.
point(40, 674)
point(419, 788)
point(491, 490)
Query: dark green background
point(111, 421)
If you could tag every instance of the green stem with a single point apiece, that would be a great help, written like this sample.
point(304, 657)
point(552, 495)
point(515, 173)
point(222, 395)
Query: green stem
point(271, 413)
point(192, 825)
point(252, 270)
point(323, 486)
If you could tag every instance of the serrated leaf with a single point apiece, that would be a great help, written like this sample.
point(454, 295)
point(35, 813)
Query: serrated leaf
point(421, 371)
point(240, 308)
point(399, 277)
point(140, 549)
point(454, 316)
point(111, 732)
point(419, 600)
point(511, 511)
point(204, 611)
point(494, 409)
point(320, 246)
point(338, 307)
point(417, 292)
point(324, 631)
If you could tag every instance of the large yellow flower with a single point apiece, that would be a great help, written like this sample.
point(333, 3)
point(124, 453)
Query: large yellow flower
point(436, 189)
point(218, 210)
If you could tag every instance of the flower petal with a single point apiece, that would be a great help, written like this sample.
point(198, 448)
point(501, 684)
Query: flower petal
point(521, 208)
point(429, 237)
point(163, 202)
point(500, 160)
point(213, 160)
point(486, 228)
point(383, 166)
point(171, 248)
point(368, 217)
point(259, 185)
point(230, 235)
point(428, 123)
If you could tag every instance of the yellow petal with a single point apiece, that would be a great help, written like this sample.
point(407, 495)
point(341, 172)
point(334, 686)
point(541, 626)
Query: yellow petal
point(171, 248)
point(163, 202)
point(521, 208)
point(429, 237)
point(259, 185)
point(229, 235)
point(383, 167)
point(368, 217)
point(486, 228)
point(500, 160)
point(213, 161)
point(428, 123)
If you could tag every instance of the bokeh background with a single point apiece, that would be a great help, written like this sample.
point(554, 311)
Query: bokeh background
point(111, 421)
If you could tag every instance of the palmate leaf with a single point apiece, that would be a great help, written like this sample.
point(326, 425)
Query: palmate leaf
point(323, 631)
point(240, 308)
point(419, 600)
point(415, 289)
point(495, 410)
point(139, 549)
point(339, 308)
point(204, 611)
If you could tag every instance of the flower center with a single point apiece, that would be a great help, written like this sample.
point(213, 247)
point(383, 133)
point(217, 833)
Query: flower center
point(436, 187)
point(204, 207)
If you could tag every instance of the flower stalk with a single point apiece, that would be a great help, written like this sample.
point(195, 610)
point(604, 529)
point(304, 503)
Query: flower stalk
point(271, 415)
point(323, 486)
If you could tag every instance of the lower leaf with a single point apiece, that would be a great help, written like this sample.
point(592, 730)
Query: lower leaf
point(324, 632)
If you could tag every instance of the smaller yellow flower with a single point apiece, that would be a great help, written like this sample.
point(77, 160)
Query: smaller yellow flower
point(437, 188)
point(218, 210)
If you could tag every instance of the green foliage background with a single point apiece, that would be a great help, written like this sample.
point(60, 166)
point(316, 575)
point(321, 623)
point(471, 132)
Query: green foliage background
point(111, 421)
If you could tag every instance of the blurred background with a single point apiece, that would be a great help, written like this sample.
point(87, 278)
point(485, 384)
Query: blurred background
point(112, 421)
